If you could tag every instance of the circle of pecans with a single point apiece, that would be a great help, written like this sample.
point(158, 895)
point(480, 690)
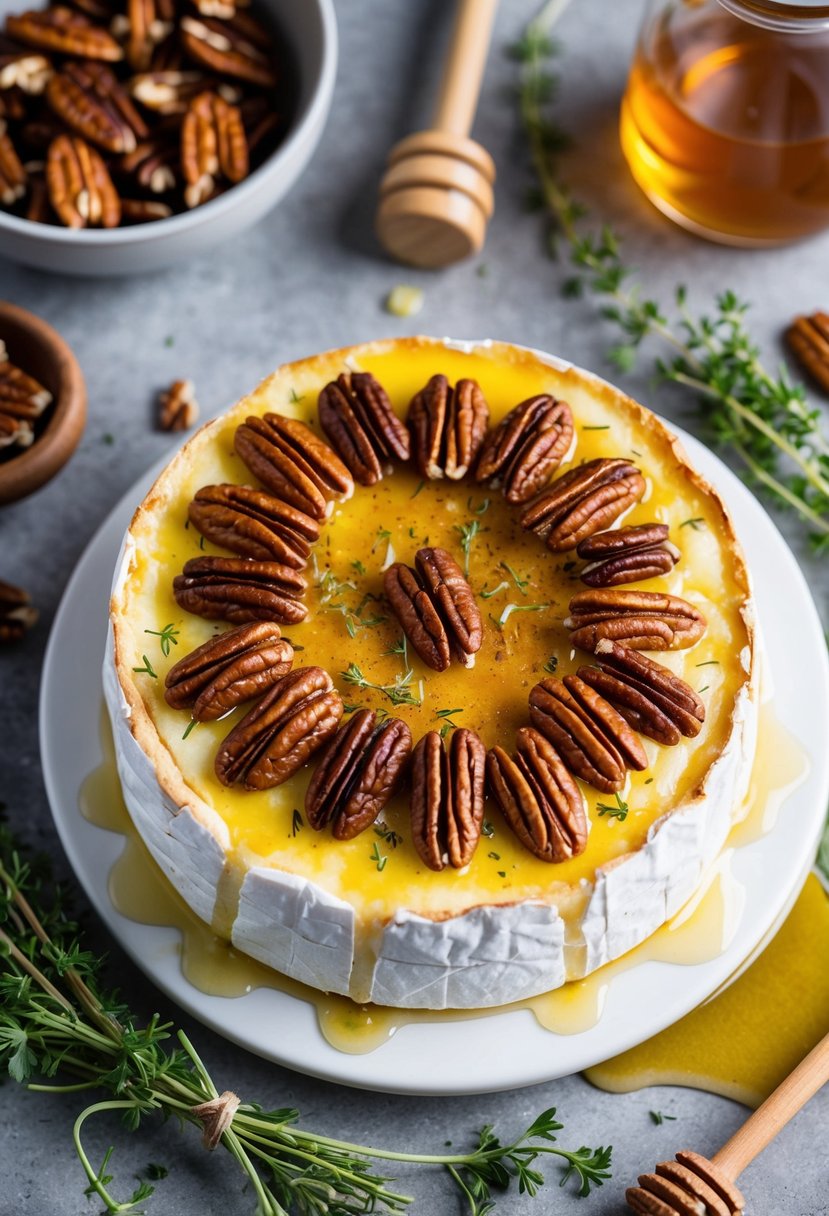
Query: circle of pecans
point(586, 726)
point(118, 112)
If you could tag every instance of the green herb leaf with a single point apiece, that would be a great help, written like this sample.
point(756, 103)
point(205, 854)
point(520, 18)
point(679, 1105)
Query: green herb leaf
point(617, 810)
point(658, 1117)
point(168, 636)
point(147, 669)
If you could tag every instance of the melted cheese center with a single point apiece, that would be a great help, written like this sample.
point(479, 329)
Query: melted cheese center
point(348, 624)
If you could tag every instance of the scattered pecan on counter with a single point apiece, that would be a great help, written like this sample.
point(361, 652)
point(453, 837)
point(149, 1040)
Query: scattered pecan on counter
point(140, 108)
point(17, 614)
point(178, 408)
point(808, 340)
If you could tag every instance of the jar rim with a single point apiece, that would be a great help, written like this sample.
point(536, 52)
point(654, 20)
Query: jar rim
point(782, 15)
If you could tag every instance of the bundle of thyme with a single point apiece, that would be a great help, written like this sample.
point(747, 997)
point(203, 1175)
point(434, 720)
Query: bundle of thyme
point(58, 1019)
point(764, 419)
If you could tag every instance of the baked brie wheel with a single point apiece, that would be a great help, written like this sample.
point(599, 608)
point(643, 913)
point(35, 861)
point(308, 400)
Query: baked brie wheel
point(488, 708)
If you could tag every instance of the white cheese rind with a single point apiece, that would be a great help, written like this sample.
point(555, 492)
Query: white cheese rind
point(470, 961)
point(289, 923)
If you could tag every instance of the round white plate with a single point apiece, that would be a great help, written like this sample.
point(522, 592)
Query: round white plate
point(475, 1054)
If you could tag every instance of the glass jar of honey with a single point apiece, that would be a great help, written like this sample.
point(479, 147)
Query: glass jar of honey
point(725, 119)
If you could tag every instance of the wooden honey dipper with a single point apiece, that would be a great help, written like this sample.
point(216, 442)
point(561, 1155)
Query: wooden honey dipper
point(436, 194)
point(694, 1186)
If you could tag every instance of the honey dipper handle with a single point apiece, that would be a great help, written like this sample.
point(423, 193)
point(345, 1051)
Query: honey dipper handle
point(464, 67)
point(761, 1127)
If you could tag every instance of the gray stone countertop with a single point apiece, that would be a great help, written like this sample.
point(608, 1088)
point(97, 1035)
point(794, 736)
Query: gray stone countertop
point(307, 278)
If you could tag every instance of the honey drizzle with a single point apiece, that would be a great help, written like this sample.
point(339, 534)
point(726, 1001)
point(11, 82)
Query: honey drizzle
point(698, 933)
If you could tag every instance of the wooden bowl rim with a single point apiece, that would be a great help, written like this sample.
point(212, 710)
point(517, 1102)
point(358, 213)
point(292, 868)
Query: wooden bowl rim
point(27, 472)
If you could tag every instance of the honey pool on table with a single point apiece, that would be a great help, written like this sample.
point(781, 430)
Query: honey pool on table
point(701, 931)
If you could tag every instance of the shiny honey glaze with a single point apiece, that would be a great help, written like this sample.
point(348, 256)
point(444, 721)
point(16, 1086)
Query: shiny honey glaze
point(391, 521)
point(698, 933)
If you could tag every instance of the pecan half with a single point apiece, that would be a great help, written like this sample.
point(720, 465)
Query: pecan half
point(651, 698)
point(642, 620)
point(13, 177)
point(21, 395)
point(213, 146)
point(808, 340)
point(144, 211)
point(154, 164)
point(526, 447)
point(359, 771)
point(170, 92)
point(356, 415)
point(447, 799)
point(253, 524)
point(282, 731)
point(15, 431)
point(228, 670)
point(417, 615)
point(22, 70)
point(447, 426)
point(451, 594)
point(148, 24)
point(584, 500)
point(65, 31)
point(592, 738)
point(89, 99)
point(627, 555)
point(236, 590)
point(80, 188)
point(178, 408)
point(291, 462)
point(538, 798)
point(227, 48)
point(16, 613)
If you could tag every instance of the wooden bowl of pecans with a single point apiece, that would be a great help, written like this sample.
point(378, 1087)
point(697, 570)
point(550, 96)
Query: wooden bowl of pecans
point(137, 132)
point(42, 402)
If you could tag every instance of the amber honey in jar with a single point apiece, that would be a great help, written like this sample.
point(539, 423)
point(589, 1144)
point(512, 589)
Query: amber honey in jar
point(725, 119)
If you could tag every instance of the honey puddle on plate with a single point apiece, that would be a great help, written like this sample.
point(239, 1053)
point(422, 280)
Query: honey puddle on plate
point(698, 933)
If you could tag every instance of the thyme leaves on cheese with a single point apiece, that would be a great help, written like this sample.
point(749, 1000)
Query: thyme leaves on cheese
point(468, 533)
point(379, 858)
point(501, 621)
point(399, 692)
point(63, 1031)
point(486, 594)
point(392, 838)
point(167, 637)
point(551, 666)
point(764, 419)
point(616, 810)
point(146, 669)
point(191, 726)
point(297, 822)
point(521, 583)
point(446, 716)
point(696, 523)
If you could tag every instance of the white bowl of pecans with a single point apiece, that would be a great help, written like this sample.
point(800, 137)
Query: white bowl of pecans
point(134, 133)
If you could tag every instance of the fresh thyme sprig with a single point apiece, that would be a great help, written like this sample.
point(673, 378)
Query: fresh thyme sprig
point(167, 637)
point(399, 693)
point(616, 810)
point(764, 419)
point(467, 533)
point(58, 1020)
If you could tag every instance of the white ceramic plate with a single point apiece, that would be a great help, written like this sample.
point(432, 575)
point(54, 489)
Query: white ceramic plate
point(475, 1054)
